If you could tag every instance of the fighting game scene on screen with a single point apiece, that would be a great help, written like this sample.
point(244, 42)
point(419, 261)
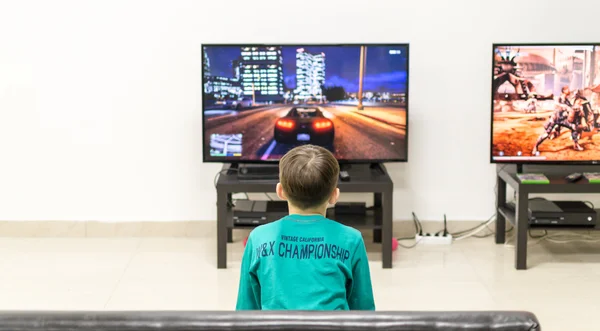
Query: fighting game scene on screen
point(261, 101)
point(545, 103)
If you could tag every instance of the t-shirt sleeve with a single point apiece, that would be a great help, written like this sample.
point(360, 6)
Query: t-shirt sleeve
point(360, 295)
point(249, 289)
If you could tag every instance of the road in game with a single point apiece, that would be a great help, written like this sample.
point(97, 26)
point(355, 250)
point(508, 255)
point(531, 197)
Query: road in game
point(358, 135)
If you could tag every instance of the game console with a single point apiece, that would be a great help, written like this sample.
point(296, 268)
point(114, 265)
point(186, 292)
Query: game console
point(350, 208)
point(258, 172)
point(560, 213)
point(249, 212)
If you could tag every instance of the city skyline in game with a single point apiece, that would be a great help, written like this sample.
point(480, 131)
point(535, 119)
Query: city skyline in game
point(276, 73)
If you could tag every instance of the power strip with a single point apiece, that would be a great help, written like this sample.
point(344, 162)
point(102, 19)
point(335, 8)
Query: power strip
point(434, 240)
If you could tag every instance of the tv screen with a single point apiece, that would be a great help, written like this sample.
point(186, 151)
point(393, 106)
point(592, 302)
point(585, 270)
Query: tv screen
point(545, 103)
point(259, 101)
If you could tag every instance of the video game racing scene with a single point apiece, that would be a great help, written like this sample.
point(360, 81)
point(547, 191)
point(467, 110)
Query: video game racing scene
point(546, 103)
point(261, 101)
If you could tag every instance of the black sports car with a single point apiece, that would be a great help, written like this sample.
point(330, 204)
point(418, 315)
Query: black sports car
point(304, 125)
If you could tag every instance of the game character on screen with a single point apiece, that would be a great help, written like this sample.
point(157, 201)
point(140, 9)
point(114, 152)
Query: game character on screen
point(305, 261)
point(580, 111)
point(594, 107)
point(565, 103)
point(531, 106)
point(590, 115)
point(564, 96)
point(557, 120)
point(574, 119)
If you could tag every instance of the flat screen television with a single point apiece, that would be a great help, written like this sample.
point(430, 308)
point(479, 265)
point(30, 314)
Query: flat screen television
point(259, 101)
point(545, 103)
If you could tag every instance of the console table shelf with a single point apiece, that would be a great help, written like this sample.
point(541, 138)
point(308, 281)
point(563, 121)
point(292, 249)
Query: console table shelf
point(364, 178)
point(367, 222)
point(519, 217)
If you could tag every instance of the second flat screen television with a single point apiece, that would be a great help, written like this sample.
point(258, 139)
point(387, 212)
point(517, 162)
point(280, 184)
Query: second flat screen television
point(259, 101)
point(545, 103)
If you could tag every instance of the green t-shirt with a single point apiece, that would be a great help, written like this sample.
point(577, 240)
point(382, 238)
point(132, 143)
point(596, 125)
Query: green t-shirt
point(305, 262)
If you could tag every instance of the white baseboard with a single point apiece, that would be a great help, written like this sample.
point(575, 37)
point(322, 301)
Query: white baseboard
point(93, 229)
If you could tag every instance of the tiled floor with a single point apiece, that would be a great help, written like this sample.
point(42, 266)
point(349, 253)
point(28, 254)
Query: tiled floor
point(562, 285)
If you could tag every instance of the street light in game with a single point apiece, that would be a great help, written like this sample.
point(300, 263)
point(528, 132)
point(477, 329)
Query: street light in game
point(363, 62)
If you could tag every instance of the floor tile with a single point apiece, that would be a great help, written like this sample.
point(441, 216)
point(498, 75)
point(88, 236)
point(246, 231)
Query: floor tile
point(179, 273)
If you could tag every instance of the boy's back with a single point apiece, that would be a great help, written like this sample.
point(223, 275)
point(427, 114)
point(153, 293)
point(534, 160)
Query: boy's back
point(305, 262)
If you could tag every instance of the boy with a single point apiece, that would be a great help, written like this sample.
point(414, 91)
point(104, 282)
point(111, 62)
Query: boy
point(305, 261)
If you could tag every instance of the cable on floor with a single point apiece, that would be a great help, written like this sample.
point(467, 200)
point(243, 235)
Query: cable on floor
point(476, 230)
point(410, 246)
point(418, 230)
point(560, 237)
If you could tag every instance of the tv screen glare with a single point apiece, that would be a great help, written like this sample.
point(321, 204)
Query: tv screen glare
point(545, 103)
point(260, 101)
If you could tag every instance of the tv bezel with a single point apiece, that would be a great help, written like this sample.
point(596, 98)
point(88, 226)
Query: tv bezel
point(341, 161)
point(551, 162)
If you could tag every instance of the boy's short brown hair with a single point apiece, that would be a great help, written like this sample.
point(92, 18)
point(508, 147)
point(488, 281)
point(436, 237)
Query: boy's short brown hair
point(308, 175)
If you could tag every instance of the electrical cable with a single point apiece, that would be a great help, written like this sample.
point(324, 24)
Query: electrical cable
point(570, 235)
point(405, 238)
point(537, 237)
point(492, 232)
point(418, 230)
point(445, 226)
point(485, 223)
point(484, 236)
point(475, 230)
point(225, 171)
point(557, 238)
point(418, 225)
point(221, 172)
point(529, 243)
point(444, 231)
point(460, 234)
point(230, 203)
point(556, 241)
point(409, 246)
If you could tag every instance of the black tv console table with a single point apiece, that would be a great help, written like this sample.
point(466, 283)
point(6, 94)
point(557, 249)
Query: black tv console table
point(519, 217)
point(365, 178)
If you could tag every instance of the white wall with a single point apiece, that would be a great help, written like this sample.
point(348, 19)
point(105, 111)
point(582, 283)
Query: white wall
point(100, 100)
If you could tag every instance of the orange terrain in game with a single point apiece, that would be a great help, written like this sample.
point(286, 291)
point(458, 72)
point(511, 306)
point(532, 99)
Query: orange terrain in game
point(518, 132)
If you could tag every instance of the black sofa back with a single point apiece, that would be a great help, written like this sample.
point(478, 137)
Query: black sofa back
point(266, 320)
